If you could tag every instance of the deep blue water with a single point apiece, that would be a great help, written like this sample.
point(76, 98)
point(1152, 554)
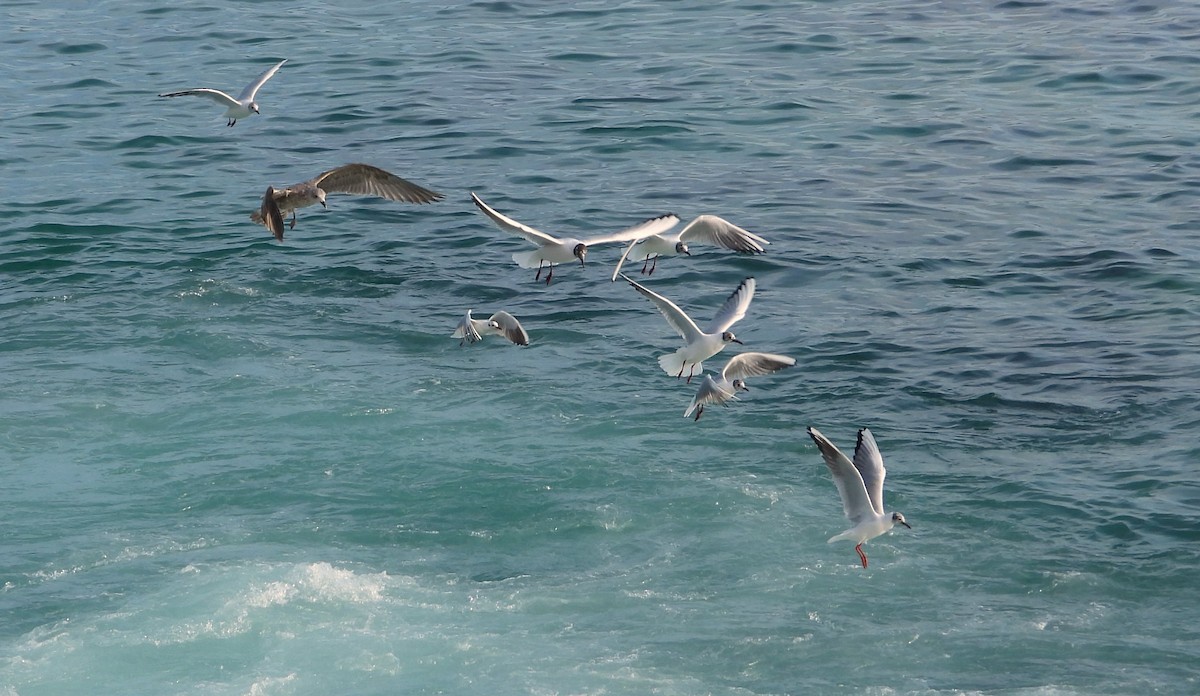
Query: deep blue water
point(234, 466)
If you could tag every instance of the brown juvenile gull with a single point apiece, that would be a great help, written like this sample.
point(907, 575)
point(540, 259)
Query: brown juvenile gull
point(733, 379)
point(360, 179)
point(241, 107)
point(501, 323)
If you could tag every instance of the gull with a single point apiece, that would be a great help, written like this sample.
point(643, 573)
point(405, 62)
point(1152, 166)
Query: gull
point(700, 344)
point(860, 483)
point(501, 323)
point(553, 250)
point(732, 379)
point(241, 107)
point(706, 229)
point(360, 179)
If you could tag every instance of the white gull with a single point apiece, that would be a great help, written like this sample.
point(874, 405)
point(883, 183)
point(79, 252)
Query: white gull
point(700, 345)
point(860, 483)
point(241, 107)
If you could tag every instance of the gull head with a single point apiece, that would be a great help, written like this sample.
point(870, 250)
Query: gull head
point(740, 385)
point(494, 325)
point(321, 198)
point(897, 518)
point(580, 251)
point(254, 107)
point(728, 337)
point(681, 248)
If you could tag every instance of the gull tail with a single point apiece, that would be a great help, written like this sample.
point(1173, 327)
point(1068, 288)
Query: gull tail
point(673, 364)
point(528, 259)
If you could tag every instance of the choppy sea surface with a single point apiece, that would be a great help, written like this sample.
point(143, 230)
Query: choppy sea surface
point(235, 466)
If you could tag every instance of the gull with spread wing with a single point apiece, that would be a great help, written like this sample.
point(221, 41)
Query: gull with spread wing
point(552, 251)
point(241, 107)
point(705, 229)
point(701, 345)
point(733, 379)
point(860, 483)
point(359, 179)
point(501, 324)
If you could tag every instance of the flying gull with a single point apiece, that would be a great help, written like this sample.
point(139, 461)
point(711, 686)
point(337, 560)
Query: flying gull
point(360, 179)
point(733, 379)
point(553, 250)
point(501, 323)
point(705, 229)
point(860, 483)
point(241, 107)
point(700, 344)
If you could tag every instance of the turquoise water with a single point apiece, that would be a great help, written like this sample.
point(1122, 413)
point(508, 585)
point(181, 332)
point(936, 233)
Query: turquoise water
point(232, 466)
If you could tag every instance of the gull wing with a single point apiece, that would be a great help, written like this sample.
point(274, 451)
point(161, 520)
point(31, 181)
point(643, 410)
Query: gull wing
point(214, 94)
point(869, 463)
point(710, 392)
point(734, 308)
point(753, 364)
point(855, 502)
point(510, 225)
point(247, 94)
point(625, 255)
point(511, 328)
point(269, 214)
point(719, 232)
point(365, 180)
point(675, 316)
point(646, 228)
point(466, 329)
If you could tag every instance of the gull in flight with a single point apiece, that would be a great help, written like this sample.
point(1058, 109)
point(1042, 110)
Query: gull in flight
point(360, 179)
point(700, 344)
point(705, 229)
point(501, 323)
point(860, 483)
point(241, 107)
point(553, 250)
point(733, 379)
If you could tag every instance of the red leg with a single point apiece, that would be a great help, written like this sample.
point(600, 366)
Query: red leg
point(653, 265)
point(861, 555)
point(550, 274)
point(539, 273)
point(691, 373)
point(644, 264)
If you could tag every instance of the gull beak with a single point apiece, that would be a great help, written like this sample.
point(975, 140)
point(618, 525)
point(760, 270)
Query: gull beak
point(906, 525)
point(739, 342)
point(324, 205)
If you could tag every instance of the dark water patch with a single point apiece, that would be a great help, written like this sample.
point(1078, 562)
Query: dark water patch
point(579, 57)
point(920, 131)
point(798, 48)
point(76, 85)
point(1021, 163)
point(70, 49)
point(1021, 4)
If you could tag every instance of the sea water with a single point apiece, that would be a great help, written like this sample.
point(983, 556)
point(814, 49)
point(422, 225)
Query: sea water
point(237, 466)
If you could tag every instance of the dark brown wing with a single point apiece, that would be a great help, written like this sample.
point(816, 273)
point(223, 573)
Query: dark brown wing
point(269, 212)
point(365, 180)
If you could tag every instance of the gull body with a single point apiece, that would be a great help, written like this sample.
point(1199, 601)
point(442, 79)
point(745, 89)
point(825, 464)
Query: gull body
point(704, 229)
point(358, 178)
point(552, 251)
point(700, 345)
point(860, 483)
point(242, 106)
point(501, 324)
point(733, 379)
